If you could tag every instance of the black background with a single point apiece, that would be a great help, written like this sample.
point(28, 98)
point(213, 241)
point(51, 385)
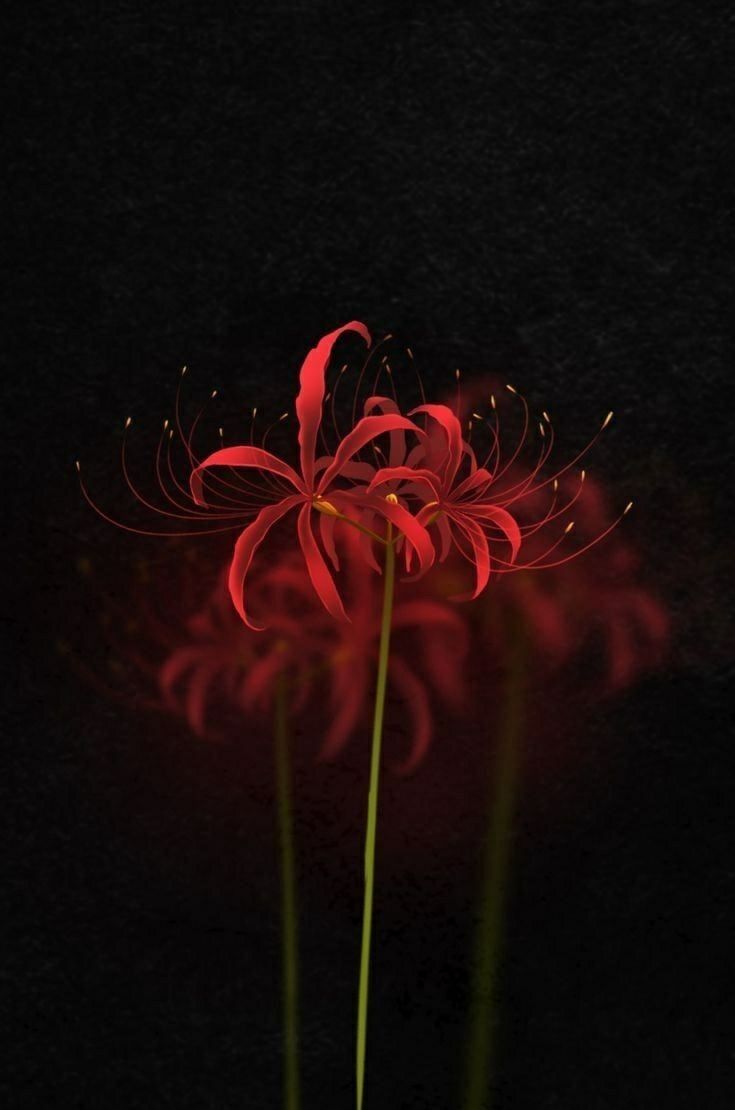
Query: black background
point(518, 189)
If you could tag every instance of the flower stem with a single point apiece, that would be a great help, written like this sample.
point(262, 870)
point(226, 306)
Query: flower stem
point(289, 927)
point(493, 893)
point(372, 814)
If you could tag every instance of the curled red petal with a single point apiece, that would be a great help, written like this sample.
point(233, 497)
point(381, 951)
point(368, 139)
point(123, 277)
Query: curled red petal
point(414, 694)
point(478, 478)
point(197, 692)
point(502, 520)
point(326, 531)
point(311, 395)
point(452, 428)
point(318, 570)
point(388, 406)
point(416, 535)
point(349, 689)
point(247, 544)
point(175, 667)
point(480, 552)
point(260, 679)
point(364, 431)
point(254, 458)
point(404, 474)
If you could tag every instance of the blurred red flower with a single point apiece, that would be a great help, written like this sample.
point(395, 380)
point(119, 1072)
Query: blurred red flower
point(220, 660)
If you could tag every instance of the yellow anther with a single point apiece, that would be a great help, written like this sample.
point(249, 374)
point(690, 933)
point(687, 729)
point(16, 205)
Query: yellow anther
point(569, 527)
point(391, 499)
point(326, 507)
point(627, 508)
point(607, 420)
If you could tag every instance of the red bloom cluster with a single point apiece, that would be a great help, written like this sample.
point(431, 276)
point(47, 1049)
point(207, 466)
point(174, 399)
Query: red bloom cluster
point(429, 495)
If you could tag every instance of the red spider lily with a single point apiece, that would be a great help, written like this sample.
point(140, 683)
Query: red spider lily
point(313, 488)
point(505, 487)
point(219, 656)
point(453, 503)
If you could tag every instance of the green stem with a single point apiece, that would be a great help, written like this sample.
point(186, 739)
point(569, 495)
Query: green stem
point(493, 894)
point(289, 928)
point(372, 814)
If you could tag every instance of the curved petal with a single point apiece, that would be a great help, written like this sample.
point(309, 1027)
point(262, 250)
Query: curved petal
point(478, 478)
point(247, 544)
point(311, 395)
point(318, 570)
point(404, 474)
point(415, 533)
point(349, 685)
point(326, 531)
point(364, 431)
point(452, 428)
point(254, 458)
point(260, 679)
point(357, 471)
point(413, 692)
point(501, 519)
point(388, 406)
point(175, 667)
point(196, 698)
point(481, 554)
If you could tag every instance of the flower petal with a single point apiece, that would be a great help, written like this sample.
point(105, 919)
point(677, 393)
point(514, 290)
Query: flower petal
point(349, 686)
point(388, 407)
point(326, 531)
point(311, 395)
point(404, 474)
point(318, 570)
point(478, 478)
point(253, 457)
point(413, 692)
point(502, 520)
point(247, 544)
point(259, 682)
point(453, 431)
point(364, 431)
point(416, 535)
point(481, 554)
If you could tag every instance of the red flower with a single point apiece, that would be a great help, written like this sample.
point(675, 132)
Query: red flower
point(454, 503)
point(314, 488)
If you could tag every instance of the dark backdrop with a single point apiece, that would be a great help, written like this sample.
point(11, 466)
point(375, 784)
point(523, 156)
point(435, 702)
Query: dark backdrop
point(517, 189)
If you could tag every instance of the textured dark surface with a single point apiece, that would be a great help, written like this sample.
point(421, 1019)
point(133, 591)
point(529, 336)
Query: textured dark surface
point(516, 190)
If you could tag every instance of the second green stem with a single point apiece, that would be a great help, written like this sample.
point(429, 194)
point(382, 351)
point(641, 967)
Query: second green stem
point(493, 896)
